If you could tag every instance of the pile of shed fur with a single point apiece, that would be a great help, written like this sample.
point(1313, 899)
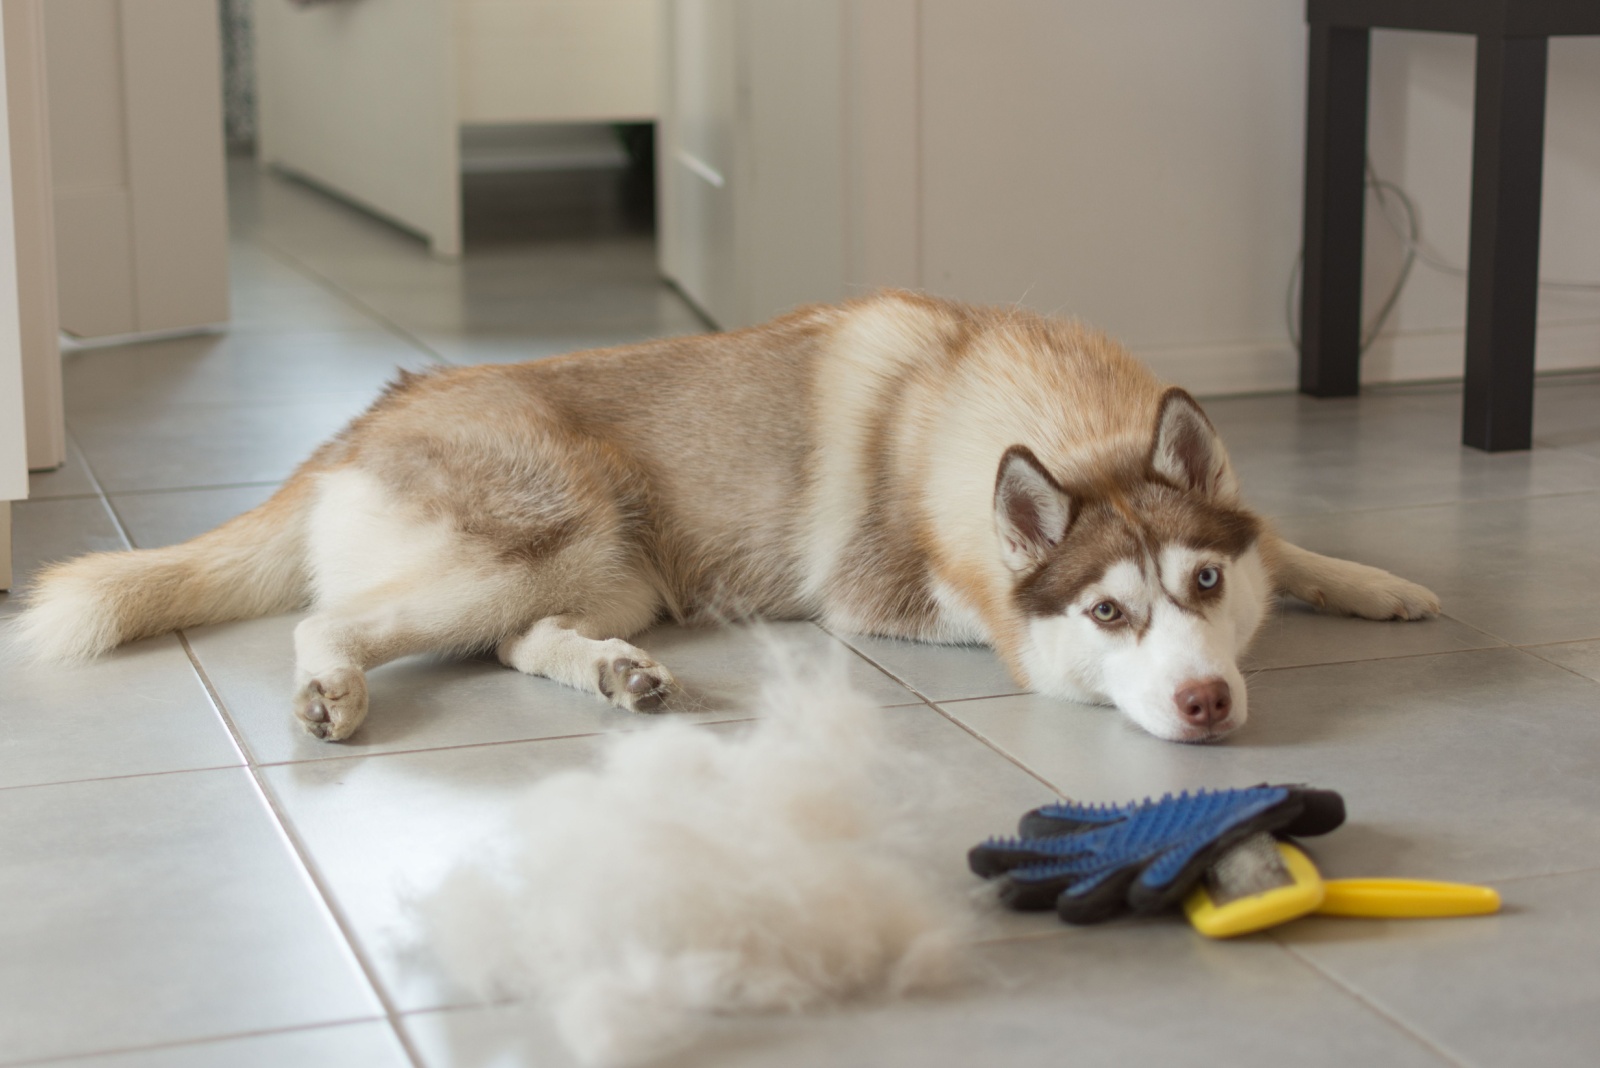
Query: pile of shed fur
point(707, 870)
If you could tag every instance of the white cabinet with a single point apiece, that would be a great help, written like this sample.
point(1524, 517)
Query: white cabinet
point(33, 214)
point(13, 442)
point(135, 103)
point(367, 98)
point(787, 152)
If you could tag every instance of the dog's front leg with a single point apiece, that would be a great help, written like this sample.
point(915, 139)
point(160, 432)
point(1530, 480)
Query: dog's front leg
point(558, 648)
point(1345, 587)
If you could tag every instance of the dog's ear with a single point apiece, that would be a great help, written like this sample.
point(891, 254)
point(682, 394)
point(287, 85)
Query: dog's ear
point(1031, 510)
point(1186, 450)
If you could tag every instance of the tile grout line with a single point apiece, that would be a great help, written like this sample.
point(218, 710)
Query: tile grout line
point(459, 746)
point(1002, 753)
point(1547, 875)
point(940, 702)
point(1463, 501)
point(118, 778)
point(1529, 650)
point(1281, 618)
point(1473, 626)
point(1370, 1005)
point(290, 838)
point(100, 492)
point(58, 497)
point(484, 745)
point(947, 716)
point(602, 733)
point(397, 329)
point(1504, 645)
point(1563, 641)
point(189, 1043)
point(308, 868)
point(197, 489)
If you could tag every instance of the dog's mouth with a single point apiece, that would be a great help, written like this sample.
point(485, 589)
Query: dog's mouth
point(1192, 735)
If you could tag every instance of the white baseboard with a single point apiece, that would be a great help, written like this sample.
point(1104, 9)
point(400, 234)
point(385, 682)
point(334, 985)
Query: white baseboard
point(1246, 367)
point(1214, 370)
point(72, 343)
point(1409, 357)
point(5, 546)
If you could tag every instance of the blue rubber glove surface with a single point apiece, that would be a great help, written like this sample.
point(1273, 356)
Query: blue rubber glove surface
point(1094, 862)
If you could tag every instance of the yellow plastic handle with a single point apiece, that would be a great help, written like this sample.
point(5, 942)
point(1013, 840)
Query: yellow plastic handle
point(1403, 898)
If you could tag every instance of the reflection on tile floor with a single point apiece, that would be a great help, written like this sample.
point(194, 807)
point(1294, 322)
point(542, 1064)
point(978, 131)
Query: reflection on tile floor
point(189, 880)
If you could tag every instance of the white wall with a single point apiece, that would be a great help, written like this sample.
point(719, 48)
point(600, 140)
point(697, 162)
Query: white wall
point(1420, 135)
point(1138, 164)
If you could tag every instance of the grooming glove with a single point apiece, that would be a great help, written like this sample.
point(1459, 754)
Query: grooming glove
point(1094, 862)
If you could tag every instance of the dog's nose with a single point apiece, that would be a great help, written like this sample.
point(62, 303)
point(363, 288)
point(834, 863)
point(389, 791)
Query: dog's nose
point(1204, 702)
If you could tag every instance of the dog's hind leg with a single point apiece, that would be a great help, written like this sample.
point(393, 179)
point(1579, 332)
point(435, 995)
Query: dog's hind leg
point(588, 651)
point(333, 651)
point(1345, 587)
point(453, 610)
point(391, 581)
point(540, 563)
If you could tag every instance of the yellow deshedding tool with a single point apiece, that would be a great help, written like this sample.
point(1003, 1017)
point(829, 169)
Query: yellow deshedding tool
point(1403, 898)
point(1263, 882)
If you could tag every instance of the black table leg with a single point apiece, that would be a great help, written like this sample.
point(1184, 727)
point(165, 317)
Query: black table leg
point(1336, 148)
point(1503, 265)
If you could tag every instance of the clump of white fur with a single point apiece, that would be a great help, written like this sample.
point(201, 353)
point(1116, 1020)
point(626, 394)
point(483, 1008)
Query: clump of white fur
point(703, 871)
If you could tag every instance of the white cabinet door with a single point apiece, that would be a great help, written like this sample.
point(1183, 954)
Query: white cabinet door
point(33, 213)
point(141, 208)
point(13, 439)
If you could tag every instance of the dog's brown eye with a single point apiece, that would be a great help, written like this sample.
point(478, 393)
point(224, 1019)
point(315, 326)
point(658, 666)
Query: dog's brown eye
point(1106, 612)
point(1208, 577)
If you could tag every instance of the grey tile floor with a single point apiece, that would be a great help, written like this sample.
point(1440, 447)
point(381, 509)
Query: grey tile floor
point(188, 880)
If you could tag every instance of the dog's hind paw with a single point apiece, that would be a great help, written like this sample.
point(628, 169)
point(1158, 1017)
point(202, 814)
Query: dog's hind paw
point(637, 684)
point(332, 705)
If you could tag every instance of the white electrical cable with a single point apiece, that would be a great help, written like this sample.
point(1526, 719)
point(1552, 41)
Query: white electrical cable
point(1410, 236)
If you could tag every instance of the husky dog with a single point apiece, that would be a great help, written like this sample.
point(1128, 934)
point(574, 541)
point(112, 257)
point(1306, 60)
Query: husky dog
point(898, 465)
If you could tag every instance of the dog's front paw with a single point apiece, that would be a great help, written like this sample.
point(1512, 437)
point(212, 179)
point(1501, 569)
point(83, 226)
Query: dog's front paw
point(1372, 593)
point(333, 705)
point(636, 683)
point(1407, 600)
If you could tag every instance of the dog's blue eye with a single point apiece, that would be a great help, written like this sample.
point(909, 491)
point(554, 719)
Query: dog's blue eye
point(1106, 612)
point(1208, 578)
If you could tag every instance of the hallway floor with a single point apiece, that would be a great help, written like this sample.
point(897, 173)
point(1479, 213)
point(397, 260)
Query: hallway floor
point(187, 879)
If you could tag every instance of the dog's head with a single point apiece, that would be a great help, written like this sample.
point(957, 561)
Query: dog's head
point(1141, 587)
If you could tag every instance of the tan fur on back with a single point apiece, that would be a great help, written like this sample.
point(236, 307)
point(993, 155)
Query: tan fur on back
point(837, 462)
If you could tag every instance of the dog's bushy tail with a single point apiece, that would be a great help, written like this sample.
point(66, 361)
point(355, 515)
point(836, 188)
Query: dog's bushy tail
point(254, 565)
